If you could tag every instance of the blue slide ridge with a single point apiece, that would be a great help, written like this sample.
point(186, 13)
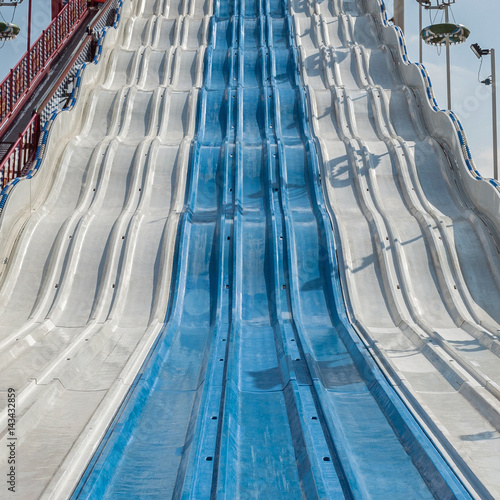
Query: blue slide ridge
point(256, 387)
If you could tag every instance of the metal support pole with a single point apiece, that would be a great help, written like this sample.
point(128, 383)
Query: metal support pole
point(420, 41)
point(29, 27)
point(399, 14)
point(448, 69)
point(29, 43)
point(494, 105)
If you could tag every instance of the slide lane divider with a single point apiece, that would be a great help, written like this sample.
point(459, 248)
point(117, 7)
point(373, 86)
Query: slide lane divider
point(302, 397)
point(324, 449)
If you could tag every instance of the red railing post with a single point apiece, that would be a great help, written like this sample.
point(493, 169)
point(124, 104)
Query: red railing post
point(46, 49)
point(11, 94)
point(20, 140)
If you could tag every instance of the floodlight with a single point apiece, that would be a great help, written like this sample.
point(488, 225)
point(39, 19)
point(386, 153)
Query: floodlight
point(479, 51)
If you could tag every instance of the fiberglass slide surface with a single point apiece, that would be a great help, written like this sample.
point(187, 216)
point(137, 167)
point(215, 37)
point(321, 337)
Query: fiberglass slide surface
point(250, 391)
point(86, 289)
point(420, 267)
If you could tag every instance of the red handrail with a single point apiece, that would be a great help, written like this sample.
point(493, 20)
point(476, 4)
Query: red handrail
point(21, 80)
point(21, 152)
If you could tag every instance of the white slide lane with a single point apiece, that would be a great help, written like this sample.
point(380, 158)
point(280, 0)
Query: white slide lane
point(421, 264)
point(87, 245)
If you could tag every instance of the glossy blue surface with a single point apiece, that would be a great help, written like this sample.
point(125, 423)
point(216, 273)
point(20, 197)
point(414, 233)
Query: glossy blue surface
point(257, 387)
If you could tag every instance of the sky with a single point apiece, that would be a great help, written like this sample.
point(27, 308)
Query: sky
point(471, 100)
point(13, 50)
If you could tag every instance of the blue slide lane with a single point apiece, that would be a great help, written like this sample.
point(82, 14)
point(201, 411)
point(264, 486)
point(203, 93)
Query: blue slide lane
point(257, 387)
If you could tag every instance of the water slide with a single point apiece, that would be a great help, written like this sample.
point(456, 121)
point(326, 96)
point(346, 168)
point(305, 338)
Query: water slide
point(253, 264)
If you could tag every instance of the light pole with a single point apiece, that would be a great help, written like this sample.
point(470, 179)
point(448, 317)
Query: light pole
point(421, 5)
point(399, 14)
point(29, 27)
point(440, 5)
point(494, 106)
point(448, 66)
point(29, 41)
point(420, 41)
point(492, 80)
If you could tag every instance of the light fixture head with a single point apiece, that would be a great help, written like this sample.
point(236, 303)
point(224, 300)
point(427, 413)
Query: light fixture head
point(479, 51)
point(440, 4)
